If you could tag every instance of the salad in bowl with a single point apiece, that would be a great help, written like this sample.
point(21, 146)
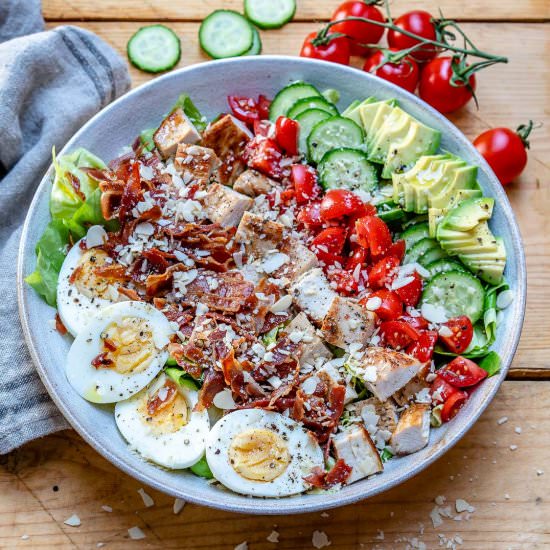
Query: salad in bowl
point(282, 299)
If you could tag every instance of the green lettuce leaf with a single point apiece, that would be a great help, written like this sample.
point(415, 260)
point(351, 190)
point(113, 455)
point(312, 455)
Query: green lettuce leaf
point(181, 378)
point(146, 138)
point(202, 469)
point(193, 114)
point(491, 363)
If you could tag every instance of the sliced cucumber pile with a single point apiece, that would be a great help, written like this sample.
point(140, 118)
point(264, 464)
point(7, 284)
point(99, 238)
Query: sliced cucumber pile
point(334, 133)
point(347, 168)
point(316, 102)
point(269, 14)
point(288, 96)
point(226, 33)
point(307, 120)
point(154, 49)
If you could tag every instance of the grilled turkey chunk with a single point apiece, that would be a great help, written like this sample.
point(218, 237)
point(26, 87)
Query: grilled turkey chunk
point(313, 294)
point(301, 260)
point(356, 448)
point(176, 128)
point(225, 206)
point(258, 235)
point(196, 164)
point(312, 347)
point(413, 430)
point(377, 415)
point(253, 183)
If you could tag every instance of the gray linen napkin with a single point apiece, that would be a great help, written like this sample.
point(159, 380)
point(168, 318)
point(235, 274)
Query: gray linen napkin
point(50, 84)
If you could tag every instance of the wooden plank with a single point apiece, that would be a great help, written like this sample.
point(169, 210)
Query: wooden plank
point(481, 469)
point(196, 10)
point(509, 95)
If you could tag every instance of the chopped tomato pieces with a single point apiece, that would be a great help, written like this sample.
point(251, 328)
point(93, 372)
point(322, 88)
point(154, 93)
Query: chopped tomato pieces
point(310, 215)
point(462, 373)
point(304, 179)
point(330, 240)
point(359, 257)
point(453, 404)
point(410, 293)
point(286, 134)
point(338, 203)
point(382, 273)
point(248, 109)
point(397, 249)
point(373, 233)
point(264, 155)
point(390, 308)
point(461, 334)
point(423, 348)
point(398, 334)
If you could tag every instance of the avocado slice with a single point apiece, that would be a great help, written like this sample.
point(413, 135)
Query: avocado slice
point(387, 130)
point(490, 269)
point(373, 111)
point(464, 179)
point(435, 215)
point(353, 110)
point(469, 214)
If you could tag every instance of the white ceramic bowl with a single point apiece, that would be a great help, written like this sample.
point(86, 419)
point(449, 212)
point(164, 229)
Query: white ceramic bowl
point(209, 84)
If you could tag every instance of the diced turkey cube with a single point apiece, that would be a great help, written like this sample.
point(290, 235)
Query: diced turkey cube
point(196, 164)
point(301, 260)
point(347, 322)
point(312, 347)
point(415, 390)
point(176, 128)
point(313, 294)
point(225, 206)
point(393, 370)
point(258, 235)
point(253, 183)
point(380, 414)
point(356, 448)
point(228, 137)
point(413, 430)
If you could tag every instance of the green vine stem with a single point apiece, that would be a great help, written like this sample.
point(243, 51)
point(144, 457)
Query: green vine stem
point(524, 130)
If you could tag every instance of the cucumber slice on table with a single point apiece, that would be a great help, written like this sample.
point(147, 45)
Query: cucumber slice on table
point(315, 102)
point(288, 96)
point(334, 133)
point(441, 266)
point(458, 292)
point(415, 233)
point(154, 49)
point(256, 48)
point(307, 120)
point(269, 14)
point(225, 33)
point(347, 168)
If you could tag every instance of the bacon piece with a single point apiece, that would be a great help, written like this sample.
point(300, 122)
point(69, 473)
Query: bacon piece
point(157, 283)
point(271, 321)
point(213, 384)
point(284, 361)
point(59, 326)
point(75, 184)
point(233, 374)
point(101, 361)
point(177, 351)
point(131, 193)
point(337, 475)
point(130, 293)
point(155, 403)
point(154, 213)
point(115, 272)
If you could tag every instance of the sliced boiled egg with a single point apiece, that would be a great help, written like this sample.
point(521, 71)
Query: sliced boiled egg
point(160, 424)
point(118, 352)
point(262, 453)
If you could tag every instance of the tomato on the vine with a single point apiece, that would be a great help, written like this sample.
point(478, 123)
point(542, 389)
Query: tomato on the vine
point(437, 89)
point(457, 334)
point(333, 49)
point(462, 373)
point(417, 22)
point(359, 32)
point(404, 73)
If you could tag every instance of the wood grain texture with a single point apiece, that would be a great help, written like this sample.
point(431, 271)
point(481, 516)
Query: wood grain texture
point(481, 469)
point(196, 10)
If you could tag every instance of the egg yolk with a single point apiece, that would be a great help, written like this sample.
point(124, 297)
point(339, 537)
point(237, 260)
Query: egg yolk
point(259, 454)
point(128, 345)
point(85, 278)
point(165, 411)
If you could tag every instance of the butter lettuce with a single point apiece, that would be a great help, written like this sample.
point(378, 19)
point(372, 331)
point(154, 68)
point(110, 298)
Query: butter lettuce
point(190, 109)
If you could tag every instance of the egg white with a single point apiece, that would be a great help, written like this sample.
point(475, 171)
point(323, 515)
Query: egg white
point(303, 448)
point(179, 449)
point(105, 385)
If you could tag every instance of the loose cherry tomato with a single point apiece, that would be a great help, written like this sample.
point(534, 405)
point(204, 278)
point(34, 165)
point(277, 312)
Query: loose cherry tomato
point(359, 32)
point(505, 151)
point(417, 22)
point(264, 155)
point(383, 272)
point(330, 240)
point(286, 135)
point(359, 257)
point(462, 373)
point(304, 179)
point(461, 335)
point(441, 390)
point(310, 215)
point(339, 202)
point(345, 281)
point(437, 90)
point(248, 109)
point(398, 334)
point(453, 404)
point(391, 307)
point(373, 233)
point(405, 73)
point(423, 348)
point(410, 293)
point(336, 50)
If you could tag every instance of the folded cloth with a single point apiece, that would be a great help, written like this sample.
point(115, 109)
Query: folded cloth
point(50, 84)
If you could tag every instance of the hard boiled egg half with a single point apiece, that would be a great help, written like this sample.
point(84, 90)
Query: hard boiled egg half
point(262, 453)
point(160, 424)
point(118, 352)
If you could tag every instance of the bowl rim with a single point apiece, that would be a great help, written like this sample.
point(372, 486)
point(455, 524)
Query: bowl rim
point(284, 505)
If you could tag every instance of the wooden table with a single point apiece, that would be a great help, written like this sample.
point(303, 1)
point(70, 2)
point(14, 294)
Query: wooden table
point(47, 481)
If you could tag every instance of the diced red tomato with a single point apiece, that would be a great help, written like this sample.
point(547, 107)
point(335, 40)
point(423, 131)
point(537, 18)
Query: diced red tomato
point(410, 293)
point(391, 307)
point(462, 373)
point(462, 334)
point(419, 323)
point(264, 155)
point(453, 404)
point(248, 109)
point(262, 127)
point(383, 272)
point(345, 281)
point(330, 240)
point(310, 215)
point(397, 249)
point(441, 390)
point(373, 233)
point(339, 202)
point(286, 134)
point(287, 195)
point(359, 257)
point(398, 334)
point(263, 107)
point(423, 348)
point(304, 179)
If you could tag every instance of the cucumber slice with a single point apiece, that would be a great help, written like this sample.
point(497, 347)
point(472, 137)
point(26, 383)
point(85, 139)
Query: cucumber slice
point(256, 48)
point(225, 33)
point(441, 266)
point(432, 255)
point(269, 14)
point(315, 102)
point(334, 133)
point(415, 233)
point(154, 48)
point(418, 249)
point(288, 96)
point(307, 120)
point(390, 212)
point(458, 292)
point(347, 168)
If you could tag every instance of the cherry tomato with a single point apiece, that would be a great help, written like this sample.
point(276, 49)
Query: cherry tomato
point(505, 151)
point(345, 281)
point(262, 127)
point(304, 179)
point(419, 323)
point(248, 109)
point(390, 307)
point(330, 240)
point(436, 88)
point(441, 390)
point(453, 404)
point(461, 335)
point(410, 293)
point(359, 257)
point(462, 373)
point(398, 334)
point(423, 348)
point(397, 249)
point(359, 32)
point(310, 216)
point(383, 272)
point(264, 155)
point(405, 73)
point(337, 50)
point(417, 22)
point(373, 233)
point(339, 202)
point(286, 135)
